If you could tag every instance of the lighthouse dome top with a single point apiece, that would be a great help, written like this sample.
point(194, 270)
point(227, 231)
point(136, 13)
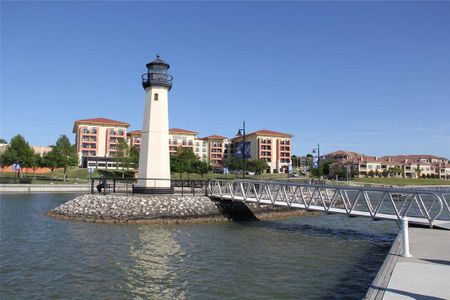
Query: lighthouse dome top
point(157, 75)
point(158, 62)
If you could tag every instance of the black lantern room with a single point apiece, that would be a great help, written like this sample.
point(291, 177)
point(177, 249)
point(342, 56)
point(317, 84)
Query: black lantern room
point(157, 74)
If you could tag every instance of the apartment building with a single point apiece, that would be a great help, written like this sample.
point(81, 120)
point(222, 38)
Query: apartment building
point(97, 141)
point(134, 138)
point(178, 138)
point(219, 149)
point(274, 147)
point(181, 138)
point(341, 155)
point(408, 166)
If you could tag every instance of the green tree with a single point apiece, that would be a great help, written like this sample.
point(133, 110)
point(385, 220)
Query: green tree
point(49, 161)
point(18, 151)
point(309, 163)
point(182, 162)
point(341, 172)
point(233, 164)
point(64, 154)
point(418, 170)
point(123, 157)
point(201, 167)
point(257, 165)
point(3, 163)
point(36, 163)
point(294, 160)
point(134, 156)
point(3, 141)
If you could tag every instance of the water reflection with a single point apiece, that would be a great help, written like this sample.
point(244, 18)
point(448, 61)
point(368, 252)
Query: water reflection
point(154, 271)
point(316, 257)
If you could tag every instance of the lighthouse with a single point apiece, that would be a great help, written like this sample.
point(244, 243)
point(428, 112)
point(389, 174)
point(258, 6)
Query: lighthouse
point(154, 160)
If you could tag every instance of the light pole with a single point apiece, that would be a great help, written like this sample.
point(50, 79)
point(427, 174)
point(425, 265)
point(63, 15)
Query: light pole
point(241, 132)
point(318, 159)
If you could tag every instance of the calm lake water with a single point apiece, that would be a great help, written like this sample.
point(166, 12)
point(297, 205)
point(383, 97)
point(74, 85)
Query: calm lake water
point(314, 257)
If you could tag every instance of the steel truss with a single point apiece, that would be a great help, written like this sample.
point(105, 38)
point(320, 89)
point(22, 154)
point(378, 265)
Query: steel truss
point(422, 207)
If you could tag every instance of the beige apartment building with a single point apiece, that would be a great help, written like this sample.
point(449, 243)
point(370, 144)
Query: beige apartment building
point(134, 138)
point(408, 166)
point(178, 138)
point(274, 147)
point(97, 141)
point(181, 138)
point(219, 148)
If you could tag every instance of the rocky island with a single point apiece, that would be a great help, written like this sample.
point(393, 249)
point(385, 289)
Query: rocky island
point(148, 209)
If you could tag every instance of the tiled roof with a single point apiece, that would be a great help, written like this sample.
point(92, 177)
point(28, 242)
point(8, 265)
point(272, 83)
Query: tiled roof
point(99, 121)
point(135, 132)
point(344, 152)
point(265, 132)
point(214, 137)
point(102, 121)
point(182, 131)
point(399, 160)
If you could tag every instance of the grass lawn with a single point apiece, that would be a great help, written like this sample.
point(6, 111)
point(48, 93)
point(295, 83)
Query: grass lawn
point(404, 181)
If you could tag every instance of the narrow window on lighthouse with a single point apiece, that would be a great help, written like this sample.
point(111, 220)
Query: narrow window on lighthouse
point(156, 97)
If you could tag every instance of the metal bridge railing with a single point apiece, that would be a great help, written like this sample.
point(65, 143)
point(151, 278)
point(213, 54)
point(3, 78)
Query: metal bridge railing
point(420, 206)
point(125, 185)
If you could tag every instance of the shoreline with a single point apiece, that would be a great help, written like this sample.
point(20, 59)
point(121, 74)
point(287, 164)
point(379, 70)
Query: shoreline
point(262, 216)
point(165, 209)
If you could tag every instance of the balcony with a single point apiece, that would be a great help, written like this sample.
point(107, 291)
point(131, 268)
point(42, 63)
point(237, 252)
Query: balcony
point(157, 79)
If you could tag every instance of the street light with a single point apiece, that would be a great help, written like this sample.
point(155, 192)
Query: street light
point(241, 132)
point(317, 150)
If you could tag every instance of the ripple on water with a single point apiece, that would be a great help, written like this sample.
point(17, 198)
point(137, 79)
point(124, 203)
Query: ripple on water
point(309, 257)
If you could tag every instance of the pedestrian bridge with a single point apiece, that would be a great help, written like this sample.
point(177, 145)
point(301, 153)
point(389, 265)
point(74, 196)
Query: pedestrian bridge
point(420, 206)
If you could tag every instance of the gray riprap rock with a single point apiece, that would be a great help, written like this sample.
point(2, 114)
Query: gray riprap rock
point(137, 207)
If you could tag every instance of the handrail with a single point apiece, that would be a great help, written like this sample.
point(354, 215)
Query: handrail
point(421, 206)
point(157, 77)
point(355, 188)
point(188, 186)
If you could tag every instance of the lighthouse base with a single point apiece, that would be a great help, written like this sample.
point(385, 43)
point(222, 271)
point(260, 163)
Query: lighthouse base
point(153, 190)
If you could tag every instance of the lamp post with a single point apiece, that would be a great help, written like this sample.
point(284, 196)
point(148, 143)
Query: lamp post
point(317, 150)
point(241, 132)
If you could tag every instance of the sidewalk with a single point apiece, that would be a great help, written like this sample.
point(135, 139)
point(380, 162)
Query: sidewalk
point(426, 275)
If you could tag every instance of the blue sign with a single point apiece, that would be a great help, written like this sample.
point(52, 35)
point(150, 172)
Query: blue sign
point(16, 166)
point(225, 171)
point(315, 165)
point(240, 150)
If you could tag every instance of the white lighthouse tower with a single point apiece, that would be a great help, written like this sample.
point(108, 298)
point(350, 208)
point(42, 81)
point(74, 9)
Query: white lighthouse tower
point(154, 161)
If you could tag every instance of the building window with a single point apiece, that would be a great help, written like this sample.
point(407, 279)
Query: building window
point(156, 96)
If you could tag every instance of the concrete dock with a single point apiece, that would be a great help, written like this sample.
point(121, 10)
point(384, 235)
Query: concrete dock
point(425, 275)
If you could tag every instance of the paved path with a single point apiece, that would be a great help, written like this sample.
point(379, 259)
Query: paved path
point(426, 275)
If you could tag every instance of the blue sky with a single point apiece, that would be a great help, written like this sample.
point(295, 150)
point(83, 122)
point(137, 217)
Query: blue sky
point(372, 77)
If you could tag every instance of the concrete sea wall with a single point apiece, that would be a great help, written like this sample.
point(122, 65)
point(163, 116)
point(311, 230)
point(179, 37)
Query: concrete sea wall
point(30, 188)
